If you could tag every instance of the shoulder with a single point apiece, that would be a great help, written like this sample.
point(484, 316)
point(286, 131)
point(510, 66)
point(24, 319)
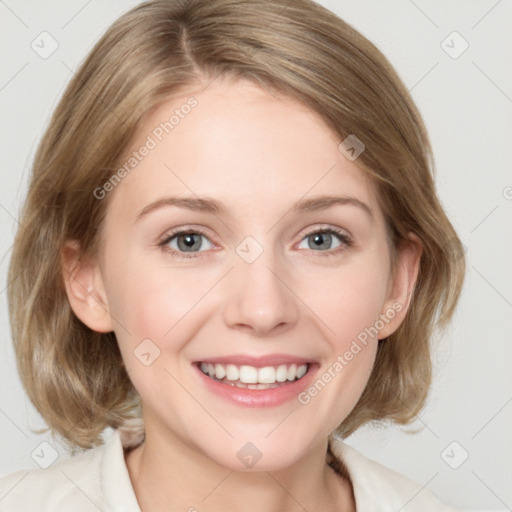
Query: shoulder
point(71, 482)
point(378, 488)
point(80, 484)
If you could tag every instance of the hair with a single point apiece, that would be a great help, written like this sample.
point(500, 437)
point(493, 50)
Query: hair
point(75, 376)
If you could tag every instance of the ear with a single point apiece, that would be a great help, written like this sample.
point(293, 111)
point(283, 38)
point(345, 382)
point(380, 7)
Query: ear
point(85, 289)
point(401, 285)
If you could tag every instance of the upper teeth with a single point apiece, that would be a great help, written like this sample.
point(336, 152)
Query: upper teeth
point(252, 375)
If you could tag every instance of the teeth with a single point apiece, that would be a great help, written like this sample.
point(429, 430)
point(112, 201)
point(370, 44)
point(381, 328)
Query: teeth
point(252, 377)
point(232, 372)
point(220, 371)
point(282, 373)
point(266, 375)
point(301, 371)
point(238, 384)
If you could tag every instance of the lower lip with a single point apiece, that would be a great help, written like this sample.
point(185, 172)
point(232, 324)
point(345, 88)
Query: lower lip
point(271, 397)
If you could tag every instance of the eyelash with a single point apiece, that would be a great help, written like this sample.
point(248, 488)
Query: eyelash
point(346, 241)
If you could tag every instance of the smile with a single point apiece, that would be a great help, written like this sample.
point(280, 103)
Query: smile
point(251, 377)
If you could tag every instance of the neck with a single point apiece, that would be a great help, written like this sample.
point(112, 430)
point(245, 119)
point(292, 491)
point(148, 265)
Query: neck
point(167, 474)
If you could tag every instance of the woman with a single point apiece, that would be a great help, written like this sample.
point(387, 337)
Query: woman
point(234, 256)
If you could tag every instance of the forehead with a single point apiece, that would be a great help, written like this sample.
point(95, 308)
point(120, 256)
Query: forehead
point(235, 141)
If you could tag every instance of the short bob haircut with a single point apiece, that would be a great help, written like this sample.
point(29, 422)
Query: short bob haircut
point(74, 376)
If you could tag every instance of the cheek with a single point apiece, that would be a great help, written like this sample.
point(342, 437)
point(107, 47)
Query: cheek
point(348, 299)
point(150, 311)
point(155, 303)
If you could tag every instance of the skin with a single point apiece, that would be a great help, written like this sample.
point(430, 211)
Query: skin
point(257, 154)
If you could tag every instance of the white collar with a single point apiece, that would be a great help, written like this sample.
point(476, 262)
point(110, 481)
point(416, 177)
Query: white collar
point(376, 487)
point(380, 489)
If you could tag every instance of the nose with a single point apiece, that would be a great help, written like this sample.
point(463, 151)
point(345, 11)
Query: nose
point(259, 299)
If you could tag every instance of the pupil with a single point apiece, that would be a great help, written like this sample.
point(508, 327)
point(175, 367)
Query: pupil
point(188, 241)
point(321, 237)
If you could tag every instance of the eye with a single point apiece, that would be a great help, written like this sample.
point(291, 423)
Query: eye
point(185, 241)
point(188, 243)
point(323, 239)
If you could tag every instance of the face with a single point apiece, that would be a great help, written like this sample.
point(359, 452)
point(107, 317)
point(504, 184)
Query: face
point(220, 257)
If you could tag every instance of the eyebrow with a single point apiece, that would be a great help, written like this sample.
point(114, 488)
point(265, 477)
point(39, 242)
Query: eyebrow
point(212, 206)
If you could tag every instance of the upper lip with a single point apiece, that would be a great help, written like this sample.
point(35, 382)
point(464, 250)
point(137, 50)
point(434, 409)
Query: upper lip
point(257, 361)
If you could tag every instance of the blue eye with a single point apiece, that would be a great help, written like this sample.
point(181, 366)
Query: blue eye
point(189, 243)
point(323, 239)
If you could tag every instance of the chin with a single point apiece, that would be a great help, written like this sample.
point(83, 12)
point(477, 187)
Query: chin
point(259, 454)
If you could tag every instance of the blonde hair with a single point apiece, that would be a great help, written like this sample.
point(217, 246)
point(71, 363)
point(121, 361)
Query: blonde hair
point(75, 377)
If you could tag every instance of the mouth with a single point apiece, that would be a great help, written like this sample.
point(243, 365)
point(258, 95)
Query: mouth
point(256, 381)
point(252, 377)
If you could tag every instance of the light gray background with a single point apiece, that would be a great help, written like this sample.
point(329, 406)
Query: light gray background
point(467, 105)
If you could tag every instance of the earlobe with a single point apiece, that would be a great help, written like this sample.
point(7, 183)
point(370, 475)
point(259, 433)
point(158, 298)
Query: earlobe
point(84, 289)
point(402, 284)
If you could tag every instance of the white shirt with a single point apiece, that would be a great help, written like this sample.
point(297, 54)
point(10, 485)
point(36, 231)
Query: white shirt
point(98, 480)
